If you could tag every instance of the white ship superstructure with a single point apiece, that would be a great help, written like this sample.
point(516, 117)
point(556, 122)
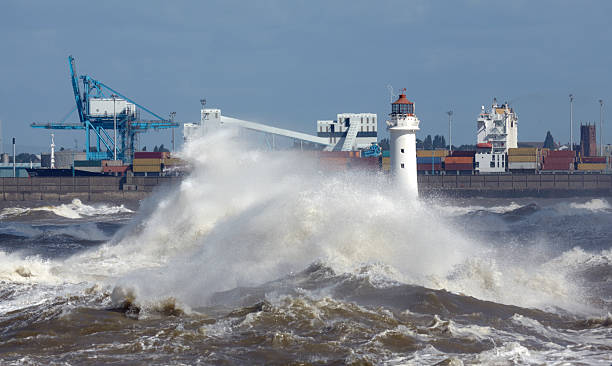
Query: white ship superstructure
point(487, 161)
point(498, 127)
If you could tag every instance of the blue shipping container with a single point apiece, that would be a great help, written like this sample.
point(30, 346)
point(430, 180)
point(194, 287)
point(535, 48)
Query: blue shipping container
point(429, 160)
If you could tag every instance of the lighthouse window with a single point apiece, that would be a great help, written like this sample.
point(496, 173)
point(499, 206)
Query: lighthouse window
point(402, 165)
point(402, 150)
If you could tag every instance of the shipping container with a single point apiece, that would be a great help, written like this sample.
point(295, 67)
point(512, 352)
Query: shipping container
point(459, 153)
point(592, 166)
point(112, 163)
point(458, 166)
point(430, 153)
point(146, 162)
point(562, 153)
point(554, 159)
point(87, 163)
point(429, 167)
point(146, 168)
point(522, 158)
point(523, 151)
point(174, 162)
point(558, 166)
point(92, 169)
point(593, 159)
point(115, 170)
point(522, 166)
point(459, 160)
point(429, 160)
point(150, 155)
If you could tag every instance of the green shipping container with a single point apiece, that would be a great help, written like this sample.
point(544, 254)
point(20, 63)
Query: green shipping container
point(88, 163)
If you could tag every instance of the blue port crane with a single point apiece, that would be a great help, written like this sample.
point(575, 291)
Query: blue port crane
point(101, 110)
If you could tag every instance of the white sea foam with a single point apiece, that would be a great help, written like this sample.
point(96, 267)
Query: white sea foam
point(595, 205)
point(453, 210)
point(74, 210)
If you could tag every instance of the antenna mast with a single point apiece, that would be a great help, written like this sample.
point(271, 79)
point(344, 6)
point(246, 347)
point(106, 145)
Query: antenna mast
point(391, 93)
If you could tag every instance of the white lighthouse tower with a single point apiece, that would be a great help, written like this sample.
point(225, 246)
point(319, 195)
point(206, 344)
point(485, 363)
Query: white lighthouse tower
point(403, 127)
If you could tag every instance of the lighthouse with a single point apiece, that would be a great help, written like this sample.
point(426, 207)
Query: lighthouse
point(403, 127)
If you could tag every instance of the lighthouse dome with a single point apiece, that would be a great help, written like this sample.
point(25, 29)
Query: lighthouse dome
point(402, 105)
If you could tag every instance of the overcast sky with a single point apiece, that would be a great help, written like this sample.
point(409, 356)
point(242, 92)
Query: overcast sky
point(289, 63)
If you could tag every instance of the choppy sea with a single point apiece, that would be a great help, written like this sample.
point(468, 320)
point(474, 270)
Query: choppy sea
point(262, 260)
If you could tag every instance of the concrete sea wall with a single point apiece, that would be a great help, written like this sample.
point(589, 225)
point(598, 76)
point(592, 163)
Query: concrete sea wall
point(516, 185)
point(94, 189)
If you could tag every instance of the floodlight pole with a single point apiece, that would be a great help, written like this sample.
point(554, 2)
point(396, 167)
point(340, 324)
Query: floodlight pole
point(450, 131)
point(571, 96)
point(601, 127)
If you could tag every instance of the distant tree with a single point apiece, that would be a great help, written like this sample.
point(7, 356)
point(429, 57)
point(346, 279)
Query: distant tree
point(144, 148)
point(466, 147)
point(439, 142)
point(419, 144)
point(549, 142)
point(26, 158)
point(62, 148)
point(155, 149)
point(162, 148)
point(384, 144)
point(427, 144)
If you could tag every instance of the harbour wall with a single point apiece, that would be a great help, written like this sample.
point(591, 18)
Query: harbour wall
point(119, 189)
point(517, 185)
point(92, 189)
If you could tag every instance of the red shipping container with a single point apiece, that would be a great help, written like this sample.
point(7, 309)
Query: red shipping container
point(594, 159)
point(560, 153)
point(459, 167)
point(148, 155)
point(428, 167)
point(459, 160)
point(553, 159)
point(463, 153)
point(568, 166)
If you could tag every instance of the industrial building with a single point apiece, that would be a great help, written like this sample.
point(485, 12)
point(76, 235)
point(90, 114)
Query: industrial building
point(588, 140)
point(357, 130)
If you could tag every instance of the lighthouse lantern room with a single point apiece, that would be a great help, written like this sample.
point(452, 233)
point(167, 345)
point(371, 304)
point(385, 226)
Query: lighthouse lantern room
point(402, 128)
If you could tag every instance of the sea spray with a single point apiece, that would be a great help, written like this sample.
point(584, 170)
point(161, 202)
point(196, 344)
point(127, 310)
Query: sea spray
point(244, 217)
